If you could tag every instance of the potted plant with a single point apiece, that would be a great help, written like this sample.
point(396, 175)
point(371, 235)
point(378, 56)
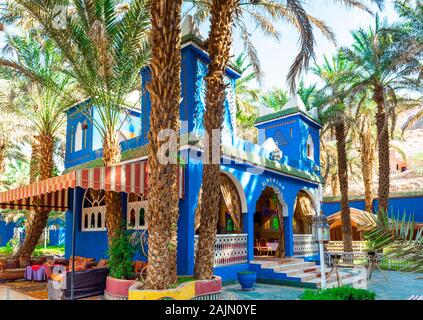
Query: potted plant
point(247, 279)
point(121, 273)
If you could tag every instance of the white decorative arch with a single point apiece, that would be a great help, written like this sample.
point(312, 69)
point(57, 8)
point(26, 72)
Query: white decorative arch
point(78, 137)
point(137, 208)
point(314, 196)
point(310, 148)
point(240, 189)
point(277, 188)
point(93, 211)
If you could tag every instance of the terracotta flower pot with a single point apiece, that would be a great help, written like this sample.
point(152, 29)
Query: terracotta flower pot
point(117, 289)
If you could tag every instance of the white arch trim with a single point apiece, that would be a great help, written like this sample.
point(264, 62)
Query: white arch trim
point(314, 196)
point(240, 189)
point(274, 185)
point(78, 137)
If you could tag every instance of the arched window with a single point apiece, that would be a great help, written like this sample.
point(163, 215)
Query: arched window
point(86, 224)
point(92, 224)
point(94, 210)
point(142, 217)
point(132, 218)
point(99, 220)
point(78, 137)
point(136, 203)
point(310, 148)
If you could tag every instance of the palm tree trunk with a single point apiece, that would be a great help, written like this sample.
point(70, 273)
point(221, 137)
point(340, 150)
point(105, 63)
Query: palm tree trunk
point(2, 154)
point(165, 92)
point(34, 171)
point(334, 184)
point(383, 146)
point(341, 133)
point(367, 158)
point(219, 44)
point(37, 219)
point(111, 157)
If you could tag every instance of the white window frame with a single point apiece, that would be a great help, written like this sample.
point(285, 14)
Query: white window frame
point(89, 212)
point(137, 205)
point(310, 146)
point(79, 136)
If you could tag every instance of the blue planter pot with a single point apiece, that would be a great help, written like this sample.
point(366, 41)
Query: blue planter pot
point(247, 280)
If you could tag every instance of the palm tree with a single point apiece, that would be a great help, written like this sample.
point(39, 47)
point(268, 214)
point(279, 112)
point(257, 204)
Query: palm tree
point(364, 134)
point(43, 108)
point(382, 67)
point(399, 238)
point(246, 99)
point(336, 76)
point(103, 43)
point(219, 44)
point(223, 16)
point(267, 15)
point(275, 98)
point(165, 92)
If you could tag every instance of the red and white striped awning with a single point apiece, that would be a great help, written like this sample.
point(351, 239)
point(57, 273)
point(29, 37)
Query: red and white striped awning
point(53, 193)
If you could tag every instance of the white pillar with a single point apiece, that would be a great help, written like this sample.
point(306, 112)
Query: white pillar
point(322, 265)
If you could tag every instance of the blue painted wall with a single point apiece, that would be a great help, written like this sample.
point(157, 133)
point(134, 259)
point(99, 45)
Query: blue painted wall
point(290, 133)
point(92, 145)
point(410, 206)
point(6, 232)
point(194, 67)
point(251, 180)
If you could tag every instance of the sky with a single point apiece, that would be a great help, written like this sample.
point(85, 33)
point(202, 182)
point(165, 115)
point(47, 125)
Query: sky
point(276, 57)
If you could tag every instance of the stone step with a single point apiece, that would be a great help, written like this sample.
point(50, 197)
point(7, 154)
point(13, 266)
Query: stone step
point(293, 266)
point(307, 269)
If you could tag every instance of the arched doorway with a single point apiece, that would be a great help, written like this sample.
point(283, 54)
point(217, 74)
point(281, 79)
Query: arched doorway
point(304, 211)
point(269, 225)
point(230, 208)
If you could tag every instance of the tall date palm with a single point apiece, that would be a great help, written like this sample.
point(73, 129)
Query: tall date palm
point(382, 66)
point(224, 15)
point(103, 43)
point(165, 92)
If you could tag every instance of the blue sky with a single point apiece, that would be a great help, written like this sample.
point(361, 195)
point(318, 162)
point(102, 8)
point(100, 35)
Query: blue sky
point(276, 57)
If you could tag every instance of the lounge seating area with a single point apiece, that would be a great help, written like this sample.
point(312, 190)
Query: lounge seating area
point(50, 278)
point(265, 247)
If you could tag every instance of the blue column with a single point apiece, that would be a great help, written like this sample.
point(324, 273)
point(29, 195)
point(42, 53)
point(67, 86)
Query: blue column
point(186, 222)
point(248, 226)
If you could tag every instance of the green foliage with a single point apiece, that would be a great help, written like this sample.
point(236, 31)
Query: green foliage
point(49, 251)
point(339, 293)
point(38, 252)
point(120, 254)
point(6, 250)
point(399, 239)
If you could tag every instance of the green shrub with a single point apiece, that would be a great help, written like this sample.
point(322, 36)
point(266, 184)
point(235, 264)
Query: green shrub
point(121, 253)
point(339, 293)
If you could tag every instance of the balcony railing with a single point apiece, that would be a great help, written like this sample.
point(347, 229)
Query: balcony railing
point(228, 249)
point(304, 245)
point(338, 246)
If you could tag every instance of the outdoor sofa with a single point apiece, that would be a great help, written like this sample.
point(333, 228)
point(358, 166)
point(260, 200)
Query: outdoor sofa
point(87, 283)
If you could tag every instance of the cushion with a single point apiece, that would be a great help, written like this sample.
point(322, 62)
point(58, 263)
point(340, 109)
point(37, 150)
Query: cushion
point(102, 263)
point(79, 266)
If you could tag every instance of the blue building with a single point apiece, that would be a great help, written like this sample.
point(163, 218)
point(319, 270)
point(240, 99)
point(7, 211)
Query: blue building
point(278, 178)
point(269, 190)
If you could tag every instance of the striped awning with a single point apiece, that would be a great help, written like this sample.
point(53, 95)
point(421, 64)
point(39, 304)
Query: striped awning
point(53, 193)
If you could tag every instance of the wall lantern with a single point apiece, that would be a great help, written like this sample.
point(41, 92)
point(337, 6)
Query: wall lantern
point(321, 229)
point(276, 155)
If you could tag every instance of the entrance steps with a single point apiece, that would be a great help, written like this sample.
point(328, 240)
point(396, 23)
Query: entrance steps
point(296, 272)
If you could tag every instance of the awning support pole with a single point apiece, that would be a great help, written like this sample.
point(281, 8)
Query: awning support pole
point(73, 244)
